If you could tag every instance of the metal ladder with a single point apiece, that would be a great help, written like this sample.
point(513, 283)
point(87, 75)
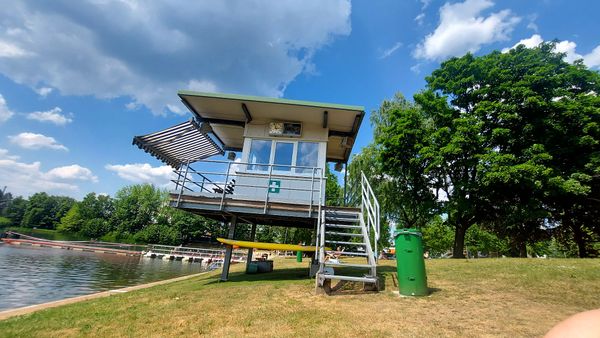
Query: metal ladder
point(347, 230)
point(350, 230)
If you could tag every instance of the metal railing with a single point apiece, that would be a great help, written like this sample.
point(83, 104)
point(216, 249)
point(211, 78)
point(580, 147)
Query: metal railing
point(215, 255)
point(369, 220)
point(223, 179)
point(369, 207)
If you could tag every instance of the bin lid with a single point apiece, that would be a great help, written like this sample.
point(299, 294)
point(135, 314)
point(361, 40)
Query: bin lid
point(409, 231)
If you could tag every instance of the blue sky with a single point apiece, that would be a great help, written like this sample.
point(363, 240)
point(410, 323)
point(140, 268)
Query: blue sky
point(78, 79)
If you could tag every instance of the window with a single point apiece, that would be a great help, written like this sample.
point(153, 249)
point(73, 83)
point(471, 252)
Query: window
point(284, 152)
point(283, 155)
point(260, 152)
point(308, 156)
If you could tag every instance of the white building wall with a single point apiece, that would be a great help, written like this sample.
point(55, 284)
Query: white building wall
point(286, 180)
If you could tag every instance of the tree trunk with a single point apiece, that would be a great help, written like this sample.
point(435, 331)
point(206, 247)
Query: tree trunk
point(522, 249)
point(580, 241)
point(459, 241)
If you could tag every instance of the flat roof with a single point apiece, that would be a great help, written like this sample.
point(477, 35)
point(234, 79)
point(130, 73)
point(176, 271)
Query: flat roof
point(271, 100)
point(229, 113)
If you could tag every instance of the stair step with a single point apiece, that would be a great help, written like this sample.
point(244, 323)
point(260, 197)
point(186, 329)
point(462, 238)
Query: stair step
point(348, 253)
point(335, 233)
point(342, 226)
point(353, 265)
point(345, 243)
point(341, 219)
point(352, 278)
point(341, 212)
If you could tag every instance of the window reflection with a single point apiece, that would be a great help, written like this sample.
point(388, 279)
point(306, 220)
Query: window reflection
point(283, 155)
point(308, 155)
point(260, 152)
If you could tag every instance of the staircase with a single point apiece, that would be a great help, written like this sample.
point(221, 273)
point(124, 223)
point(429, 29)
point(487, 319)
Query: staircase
point(347, 232)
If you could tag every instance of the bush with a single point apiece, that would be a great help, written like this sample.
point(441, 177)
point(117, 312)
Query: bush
point(5, 222)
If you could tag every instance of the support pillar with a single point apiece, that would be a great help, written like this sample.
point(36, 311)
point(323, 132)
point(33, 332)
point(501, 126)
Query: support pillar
point(228, 250)
point(250, 250)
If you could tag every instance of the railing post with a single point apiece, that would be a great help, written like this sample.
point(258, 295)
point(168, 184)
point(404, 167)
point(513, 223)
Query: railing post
point(187, 167)
point(225, 186)
point(178, 171)
point(268, 187)
point(312, 188)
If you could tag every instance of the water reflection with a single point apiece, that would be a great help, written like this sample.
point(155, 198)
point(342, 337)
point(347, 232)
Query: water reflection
point(37, 275)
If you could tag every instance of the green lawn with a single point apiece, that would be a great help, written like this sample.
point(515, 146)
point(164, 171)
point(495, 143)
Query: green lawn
point(484, 297)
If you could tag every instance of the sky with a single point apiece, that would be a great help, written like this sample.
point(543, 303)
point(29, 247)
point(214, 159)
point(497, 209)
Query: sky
point(79, 79)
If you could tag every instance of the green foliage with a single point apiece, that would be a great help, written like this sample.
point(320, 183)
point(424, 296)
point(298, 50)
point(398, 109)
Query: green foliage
point(5, 222)
point(401, 133)
point(72, 221)
point(437, 237)
point(481, 241)
point(45, 211)
point(515, 143)
point(15, 210)
point(334, 193)
point(159, 233)
point(137, 206)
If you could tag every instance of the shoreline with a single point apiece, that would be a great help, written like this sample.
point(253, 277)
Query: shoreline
point(6, 314)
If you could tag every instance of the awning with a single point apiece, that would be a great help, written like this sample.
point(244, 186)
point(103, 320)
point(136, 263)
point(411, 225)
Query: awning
point(180, 144)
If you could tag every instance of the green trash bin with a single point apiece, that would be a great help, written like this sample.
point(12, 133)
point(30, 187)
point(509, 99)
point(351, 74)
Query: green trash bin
point(412, 279)
point(299, 256)
point(252, 268)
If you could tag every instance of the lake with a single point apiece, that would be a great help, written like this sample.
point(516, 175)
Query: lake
point(30, 275)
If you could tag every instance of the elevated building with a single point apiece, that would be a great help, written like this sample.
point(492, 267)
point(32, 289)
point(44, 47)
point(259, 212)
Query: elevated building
point(278, 177)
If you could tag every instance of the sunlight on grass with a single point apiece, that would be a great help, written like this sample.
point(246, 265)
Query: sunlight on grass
point(495, 297)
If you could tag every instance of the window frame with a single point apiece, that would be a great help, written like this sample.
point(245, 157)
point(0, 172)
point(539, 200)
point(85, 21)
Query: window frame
point(293, 171)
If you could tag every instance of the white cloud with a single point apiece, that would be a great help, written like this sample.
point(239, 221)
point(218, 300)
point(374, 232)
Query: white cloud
point(463, 29)
point(72, 172)
point(592, 59)
point(36, 141)
point(28, 178)
point(5, 113)
point(425, 4)
point(144, 173)
point(149, 50)
point(416, 68)
point(420, 19)
point(568, 47)
point(533, 26)
point(4, 155)
point(43, 91)
point(53, 116)
point(9, 50)
point(531, 42)
point(386, 53)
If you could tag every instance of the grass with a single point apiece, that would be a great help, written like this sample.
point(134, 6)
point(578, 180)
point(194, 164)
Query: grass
point(471, 298)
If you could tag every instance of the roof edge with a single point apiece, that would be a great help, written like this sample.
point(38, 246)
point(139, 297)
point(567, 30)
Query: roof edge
point(272, 100)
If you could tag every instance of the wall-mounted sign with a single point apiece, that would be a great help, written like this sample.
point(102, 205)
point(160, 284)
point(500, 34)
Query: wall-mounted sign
point(285, 129)
point(274, 186)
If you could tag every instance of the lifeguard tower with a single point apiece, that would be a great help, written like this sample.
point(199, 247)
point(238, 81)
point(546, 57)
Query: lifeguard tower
point(279, 178)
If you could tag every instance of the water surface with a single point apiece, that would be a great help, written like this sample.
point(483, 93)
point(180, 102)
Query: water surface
point(30, 275)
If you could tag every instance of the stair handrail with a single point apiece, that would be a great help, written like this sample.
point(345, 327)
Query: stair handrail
point(370, 207)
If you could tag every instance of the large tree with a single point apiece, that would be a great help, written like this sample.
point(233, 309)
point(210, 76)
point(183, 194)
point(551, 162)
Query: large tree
point(45, 211)
point(516, 141)
point(137, 206)
point(394, 168)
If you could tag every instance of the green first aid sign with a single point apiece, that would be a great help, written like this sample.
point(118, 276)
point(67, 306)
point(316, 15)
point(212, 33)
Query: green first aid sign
point(274, 186)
